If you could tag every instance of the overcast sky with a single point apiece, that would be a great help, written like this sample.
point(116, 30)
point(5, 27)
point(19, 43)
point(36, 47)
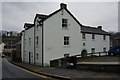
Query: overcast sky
point(15, 14)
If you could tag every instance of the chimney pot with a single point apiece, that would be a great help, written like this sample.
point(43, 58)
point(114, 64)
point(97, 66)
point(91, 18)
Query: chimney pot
point(100, 27)
point(63, 6)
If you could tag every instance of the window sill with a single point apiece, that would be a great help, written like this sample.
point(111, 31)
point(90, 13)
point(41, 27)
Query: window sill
point(93, 39)
point(84, 40)
point(104, 40)
point(66, 46)
point(65, 28)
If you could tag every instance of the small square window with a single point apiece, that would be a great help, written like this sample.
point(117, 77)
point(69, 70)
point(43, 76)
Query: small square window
point(93, 50)
point(83, 36)
point(66, 55)
point(104, 49)
point(83, 44)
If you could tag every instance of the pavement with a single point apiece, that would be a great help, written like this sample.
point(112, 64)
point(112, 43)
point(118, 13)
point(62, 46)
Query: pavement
point(72, 74)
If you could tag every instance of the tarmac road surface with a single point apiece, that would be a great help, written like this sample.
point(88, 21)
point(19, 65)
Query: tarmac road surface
point(12, 72)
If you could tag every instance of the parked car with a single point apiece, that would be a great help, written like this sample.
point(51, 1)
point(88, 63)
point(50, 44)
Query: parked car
point(71, 61)
point(114, 51)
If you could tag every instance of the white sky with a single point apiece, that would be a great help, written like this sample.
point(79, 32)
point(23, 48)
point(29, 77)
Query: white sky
point(93, 13)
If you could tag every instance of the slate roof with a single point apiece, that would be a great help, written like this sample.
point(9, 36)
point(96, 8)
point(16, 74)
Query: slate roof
point(28, 26)
point(41, 16)
point(93, 30)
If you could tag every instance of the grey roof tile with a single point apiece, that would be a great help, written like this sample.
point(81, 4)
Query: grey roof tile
point(93, 30)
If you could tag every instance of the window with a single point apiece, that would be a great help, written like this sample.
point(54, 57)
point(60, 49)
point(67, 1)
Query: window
point(93, 36)
point(104, 49)
point(66, 55)
point(24, 55)
point(104, 37)
point(37, 25)
point(37, 56)
point(24, 41)
point(29, 41)
point(65, 23)
point(66, 40)
point(83, 36)
point(93, 50)
point(37, 40)
point(83, 44)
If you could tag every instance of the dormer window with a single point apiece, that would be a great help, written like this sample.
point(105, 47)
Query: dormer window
point(64, 23)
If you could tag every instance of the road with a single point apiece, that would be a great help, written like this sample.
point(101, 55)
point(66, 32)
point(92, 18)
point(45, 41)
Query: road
point(11, 71)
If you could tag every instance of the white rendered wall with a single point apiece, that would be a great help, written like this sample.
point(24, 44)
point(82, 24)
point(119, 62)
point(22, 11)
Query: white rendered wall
point(22, 45)
point(98, 43)
point(54, 37)
point(29, 47)
point(38, 48)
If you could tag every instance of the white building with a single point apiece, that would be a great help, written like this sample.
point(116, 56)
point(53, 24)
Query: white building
point(58, 34)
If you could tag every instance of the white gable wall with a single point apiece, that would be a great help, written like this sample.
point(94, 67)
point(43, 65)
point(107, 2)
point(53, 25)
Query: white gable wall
point(29, 48)
point(54, 37)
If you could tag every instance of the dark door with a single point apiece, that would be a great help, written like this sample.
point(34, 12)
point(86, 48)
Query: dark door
point(29, 58)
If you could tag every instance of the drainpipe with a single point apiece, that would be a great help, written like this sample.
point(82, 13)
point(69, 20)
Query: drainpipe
point(42, 45)
point(34, 43)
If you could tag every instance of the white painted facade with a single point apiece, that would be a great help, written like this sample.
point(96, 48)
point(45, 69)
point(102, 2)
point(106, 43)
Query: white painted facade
point(28, 46)
point(50, 36)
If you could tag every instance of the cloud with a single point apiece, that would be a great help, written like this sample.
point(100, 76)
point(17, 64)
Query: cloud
point(60, 0)
point(0, 15)
point(96, 13)
point(15, 14)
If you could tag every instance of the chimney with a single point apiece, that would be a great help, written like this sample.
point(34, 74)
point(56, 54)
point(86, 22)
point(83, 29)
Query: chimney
point(63, 6)
point(100, 27)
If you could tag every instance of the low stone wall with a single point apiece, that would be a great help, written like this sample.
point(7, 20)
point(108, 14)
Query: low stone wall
point(99, 67)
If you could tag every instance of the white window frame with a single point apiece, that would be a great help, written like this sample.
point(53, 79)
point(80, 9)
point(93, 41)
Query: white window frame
point(64, 23)
point(92, 50)
point(104, 49)
point(66, 41)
